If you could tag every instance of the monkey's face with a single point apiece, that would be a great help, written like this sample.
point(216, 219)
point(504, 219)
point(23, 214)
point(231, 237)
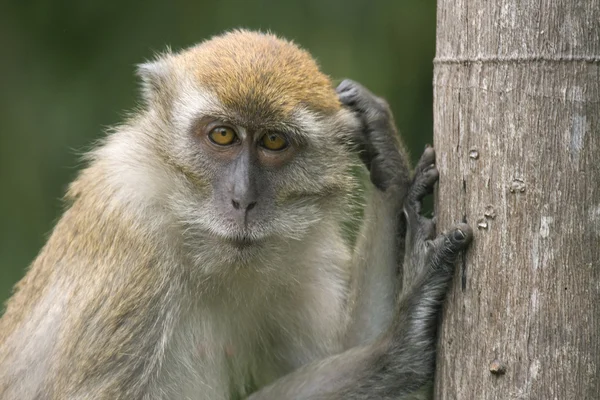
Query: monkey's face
point(258, 135)
point(251, 181)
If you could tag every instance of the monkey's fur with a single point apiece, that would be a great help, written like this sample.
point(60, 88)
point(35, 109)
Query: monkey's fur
point(183, 269)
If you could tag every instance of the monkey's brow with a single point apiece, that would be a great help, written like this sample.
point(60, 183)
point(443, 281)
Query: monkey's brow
point(292, 128)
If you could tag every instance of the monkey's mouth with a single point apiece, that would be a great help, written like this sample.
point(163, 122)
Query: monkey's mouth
point(243, 241)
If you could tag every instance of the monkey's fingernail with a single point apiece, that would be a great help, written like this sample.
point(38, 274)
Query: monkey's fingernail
point(459, 235)
point(429, 168)
point(497, 367)
point(427, 146)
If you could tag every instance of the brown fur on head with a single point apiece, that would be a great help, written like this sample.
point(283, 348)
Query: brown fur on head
point(256, 75)
point(235, 64)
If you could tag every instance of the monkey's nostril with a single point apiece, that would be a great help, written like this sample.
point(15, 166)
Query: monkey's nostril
point(242, 205)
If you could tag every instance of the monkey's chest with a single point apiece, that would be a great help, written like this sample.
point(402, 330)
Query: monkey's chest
point(224, 356)
point(228, 350)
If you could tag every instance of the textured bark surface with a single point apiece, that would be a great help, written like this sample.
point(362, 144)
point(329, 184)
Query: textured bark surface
point(517, 133)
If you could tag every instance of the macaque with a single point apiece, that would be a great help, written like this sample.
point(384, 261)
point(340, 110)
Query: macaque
point(202, 252)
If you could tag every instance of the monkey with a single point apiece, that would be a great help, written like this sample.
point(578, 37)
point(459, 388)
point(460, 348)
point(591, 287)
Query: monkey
point(202, 251)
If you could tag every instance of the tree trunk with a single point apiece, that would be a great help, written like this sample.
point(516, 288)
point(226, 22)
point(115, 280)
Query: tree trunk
point(517, 133)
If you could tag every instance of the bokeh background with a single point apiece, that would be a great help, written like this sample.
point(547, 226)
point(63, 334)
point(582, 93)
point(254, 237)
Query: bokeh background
point(67, 73)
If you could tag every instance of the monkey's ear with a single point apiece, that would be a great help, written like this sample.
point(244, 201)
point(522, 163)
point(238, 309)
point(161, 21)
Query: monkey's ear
point(155, 77)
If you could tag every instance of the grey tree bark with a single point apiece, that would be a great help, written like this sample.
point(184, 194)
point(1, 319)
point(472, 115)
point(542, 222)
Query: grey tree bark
point(517, 133)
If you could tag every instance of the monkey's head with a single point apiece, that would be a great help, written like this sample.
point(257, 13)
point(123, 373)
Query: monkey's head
point(253, 136)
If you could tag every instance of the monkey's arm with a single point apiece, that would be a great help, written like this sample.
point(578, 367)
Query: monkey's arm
point(379, 247)
point(402, 360)
point(375, 282)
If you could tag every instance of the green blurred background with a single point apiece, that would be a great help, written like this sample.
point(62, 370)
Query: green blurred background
point(67, 72)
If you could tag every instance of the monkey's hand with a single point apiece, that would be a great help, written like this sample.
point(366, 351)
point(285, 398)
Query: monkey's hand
point(378, 143)
point(424, 252)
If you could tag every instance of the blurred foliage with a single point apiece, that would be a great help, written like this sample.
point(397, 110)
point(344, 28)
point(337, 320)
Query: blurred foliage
point(67, 73)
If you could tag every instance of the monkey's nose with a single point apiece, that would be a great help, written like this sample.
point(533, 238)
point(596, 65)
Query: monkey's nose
point(243, 205)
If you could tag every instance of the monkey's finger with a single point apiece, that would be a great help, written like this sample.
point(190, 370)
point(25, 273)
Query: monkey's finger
point(426, 175)
point(427, 159)
point(422, 185)
point(446, 247)
point(423, 181)
point(348, 92)
point(358, 98)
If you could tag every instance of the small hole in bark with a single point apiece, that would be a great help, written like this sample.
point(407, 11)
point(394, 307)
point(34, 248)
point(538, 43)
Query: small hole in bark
point(489, 212)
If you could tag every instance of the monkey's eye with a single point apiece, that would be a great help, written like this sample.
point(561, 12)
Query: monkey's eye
point(274, 141)
point(222, 135)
